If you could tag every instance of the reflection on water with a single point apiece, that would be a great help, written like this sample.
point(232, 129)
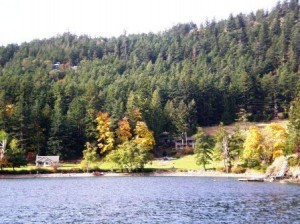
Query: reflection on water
point(147, 200)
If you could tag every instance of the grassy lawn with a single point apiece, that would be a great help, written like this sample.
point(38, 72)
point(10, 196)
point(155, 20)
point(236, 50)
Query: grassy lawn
point(183, 164)
point(64, 167)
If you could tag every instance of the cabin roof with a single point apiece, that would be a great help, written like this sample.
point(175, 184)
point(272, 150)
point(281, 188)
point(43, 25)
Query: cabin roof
point(187, 138)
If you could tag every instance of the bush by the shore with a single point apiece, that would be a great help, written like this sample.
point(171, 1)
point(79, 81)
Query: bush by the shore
point(45, 171)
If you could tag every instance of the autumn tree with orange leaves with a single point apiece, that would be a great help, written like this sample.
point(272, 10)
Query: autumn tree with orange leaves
point(123, 132)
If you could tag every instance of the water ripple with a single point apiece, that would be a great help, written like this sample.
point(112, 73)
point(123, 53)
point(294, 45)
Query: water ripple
point(147, 200)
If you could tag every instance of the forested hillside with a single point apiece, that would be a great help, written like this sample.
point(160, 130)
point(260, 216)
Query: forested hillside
point(247, 66)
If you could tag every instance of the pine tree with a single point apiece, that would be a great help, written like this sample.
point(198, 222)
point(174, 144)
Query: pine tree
point(203, 148)
point(156, 117)
point(58, 130)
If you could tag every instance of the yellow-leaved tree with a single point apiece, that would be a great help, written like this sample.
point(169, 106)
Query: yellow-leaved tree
point(274, 140)
point(106, 136)
point(253, 147)
point(144, 137)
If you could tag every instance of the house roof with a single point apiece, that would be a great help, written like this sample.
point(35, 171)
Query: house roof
point(187, 138)
point(53, 159)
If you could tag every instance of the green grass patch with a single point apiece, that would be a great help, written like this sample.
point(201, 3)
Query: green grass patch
point(184, 163)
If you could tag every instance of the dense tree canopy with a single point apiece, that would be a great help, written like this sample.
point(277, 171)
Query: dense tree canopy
point(52, 89)
point(293, 140)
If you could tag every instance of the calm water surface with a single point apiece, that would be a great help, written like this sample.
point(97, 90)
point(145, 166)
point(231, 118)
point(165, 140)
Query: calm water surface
point(147, 200)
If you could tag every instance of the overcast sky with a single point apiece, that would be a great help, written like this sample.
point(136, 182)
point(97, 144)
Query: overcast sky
point(25, 20)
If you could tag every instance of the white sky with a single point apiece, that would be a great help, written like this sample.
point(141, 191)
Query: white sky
point(25, 20)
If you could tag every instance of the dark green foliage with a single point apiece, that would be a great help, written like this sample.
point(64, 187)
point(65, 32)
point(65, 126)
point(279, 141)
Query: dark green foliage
point(15, 155)
point(130, 156)
point(16, 159)
point(293, 141)
point(185, 77)
point(203, 148)
point(236, 141)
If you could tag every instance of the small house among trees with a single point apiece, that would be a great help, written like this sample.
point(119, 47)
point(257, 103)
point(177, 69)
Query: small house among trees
point(182, 143)
point(47, 161)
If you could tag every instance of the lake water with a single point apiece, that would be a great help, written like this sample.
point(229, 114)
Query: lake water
point(147, 200)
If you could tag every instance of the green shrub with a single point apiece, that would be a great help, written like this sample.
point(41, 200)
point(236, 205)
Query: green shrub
point(238, 169)
point(14, 172)
point(252, 163)
point(185, 151)
point(294, 161)
point(42, 171)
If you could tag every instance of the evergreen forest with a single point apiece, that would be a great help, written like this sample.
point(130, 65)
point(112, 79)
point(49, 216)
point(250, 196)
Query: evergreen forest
point(245, 67)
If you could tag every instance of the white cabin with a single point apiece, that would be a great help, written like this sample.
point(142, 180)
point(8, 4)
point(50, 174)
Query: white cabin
point(47, 161)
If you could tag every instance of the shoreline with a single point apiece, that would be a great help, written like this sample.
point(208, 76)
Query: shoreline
point(213, 174)
point(151, 174)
